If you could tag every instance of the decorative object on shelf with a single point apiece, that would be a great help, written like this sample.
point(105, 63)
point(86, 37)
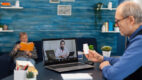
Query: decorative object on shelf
point(5, 27)
point(98, 12)
point(1, 27)
point(16, 6)
point(106, 51)
point(110, 5)
point(105, 27)
point(116, 28)
point(17, 3)
point(110, 26)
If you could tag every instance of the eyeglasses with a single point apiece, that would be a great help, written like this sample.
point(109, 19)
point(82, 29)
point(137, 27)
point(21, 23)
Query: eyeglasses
point(116, 21)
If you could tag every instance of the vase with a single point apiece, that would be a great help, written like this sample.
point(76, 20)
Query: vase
point(106, 53)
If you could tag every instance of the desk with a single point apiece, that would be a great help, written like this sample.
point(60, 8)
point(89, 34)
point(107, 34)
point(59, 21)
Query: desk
point(46, 74)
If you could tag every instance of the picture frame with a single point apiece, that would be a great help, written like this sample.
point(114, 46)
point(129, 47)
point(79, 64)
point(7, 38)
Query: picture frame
point(64, 10)
point(54, 1)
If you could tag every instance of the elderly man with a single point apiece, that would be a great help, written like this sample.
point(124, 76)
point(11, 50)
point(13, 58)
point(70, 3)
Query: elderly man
point(129, 20)
point(18, 54)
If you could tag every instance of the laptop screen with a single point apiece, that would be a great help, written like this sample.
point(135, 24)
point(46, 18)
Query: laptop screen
point(58, 51)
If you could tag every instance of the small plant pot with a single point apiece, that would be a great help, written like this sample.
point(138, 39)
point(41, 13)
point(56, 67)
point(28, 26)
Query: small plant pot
point(106, 53)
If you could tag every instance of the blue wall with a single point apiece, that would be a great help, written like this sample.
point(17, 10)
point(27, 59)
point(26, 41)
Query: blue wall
point(39, 19)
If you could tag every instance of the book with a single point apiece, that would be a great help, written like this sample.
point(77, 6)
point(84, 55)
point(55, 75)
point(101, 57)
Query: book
point(26, 46)
point(5, 4)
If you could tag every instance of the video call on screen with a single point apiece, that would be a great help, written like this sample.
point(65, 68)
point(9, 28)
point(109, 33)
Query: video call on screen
point(62, 49)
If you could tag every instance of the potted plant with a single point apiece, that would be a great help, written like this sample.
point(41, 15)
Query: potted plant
point(106, 50)
point(30, 76)
point(91, 47)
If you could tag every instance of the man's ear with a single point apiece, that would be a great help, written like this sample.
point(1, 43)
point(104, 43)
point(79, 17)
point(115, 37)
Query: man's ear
point(132, 20)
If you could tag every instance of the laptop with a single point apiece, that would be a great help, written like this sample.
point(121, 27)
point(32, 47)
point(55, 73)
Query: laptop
point(61, 55)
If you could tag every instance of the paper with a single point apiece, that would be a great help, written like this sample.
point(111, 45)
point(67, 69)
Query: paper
point(77, 76)
point(24, 63)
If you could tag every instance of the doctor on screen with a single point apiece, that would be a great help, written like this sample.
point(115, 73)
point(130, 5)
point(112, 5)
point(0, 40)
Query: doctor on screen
point(62, 51)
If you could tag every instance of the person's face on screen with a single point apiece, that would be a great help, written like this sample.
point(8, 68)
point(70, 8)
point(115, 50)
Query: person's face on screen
point(62, 45)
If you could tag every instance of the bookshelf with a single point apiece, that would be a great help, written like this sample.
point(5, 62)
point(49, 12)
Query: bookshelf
point(111, 32)
point(108, 8)
point(7, 31)
point(16, 6)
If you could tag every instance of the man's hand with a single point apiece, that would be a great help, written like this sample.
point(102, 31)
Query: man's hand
point(94, 56)
point(103, 64)
point(61, 56)
point(17, 47)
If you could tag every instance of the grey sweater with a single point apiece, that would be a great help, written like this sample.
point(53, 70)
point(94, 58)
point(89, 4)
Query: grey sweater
point(19, 53)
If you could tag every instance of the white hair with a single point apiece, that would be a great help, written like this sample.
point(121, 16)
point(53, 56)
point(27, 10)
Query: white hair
point(133, 9)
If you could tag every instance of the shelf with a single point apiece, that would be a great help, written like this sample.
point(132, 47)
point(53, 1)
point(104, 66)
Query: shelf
point(108, 9)
point(12, 7)
point(7, 31)
point(111, 32)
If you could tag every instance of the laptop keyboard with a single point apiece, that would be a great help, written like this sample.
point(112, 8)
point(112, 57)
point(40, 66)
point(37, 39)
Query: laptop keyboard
point(67, 65)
